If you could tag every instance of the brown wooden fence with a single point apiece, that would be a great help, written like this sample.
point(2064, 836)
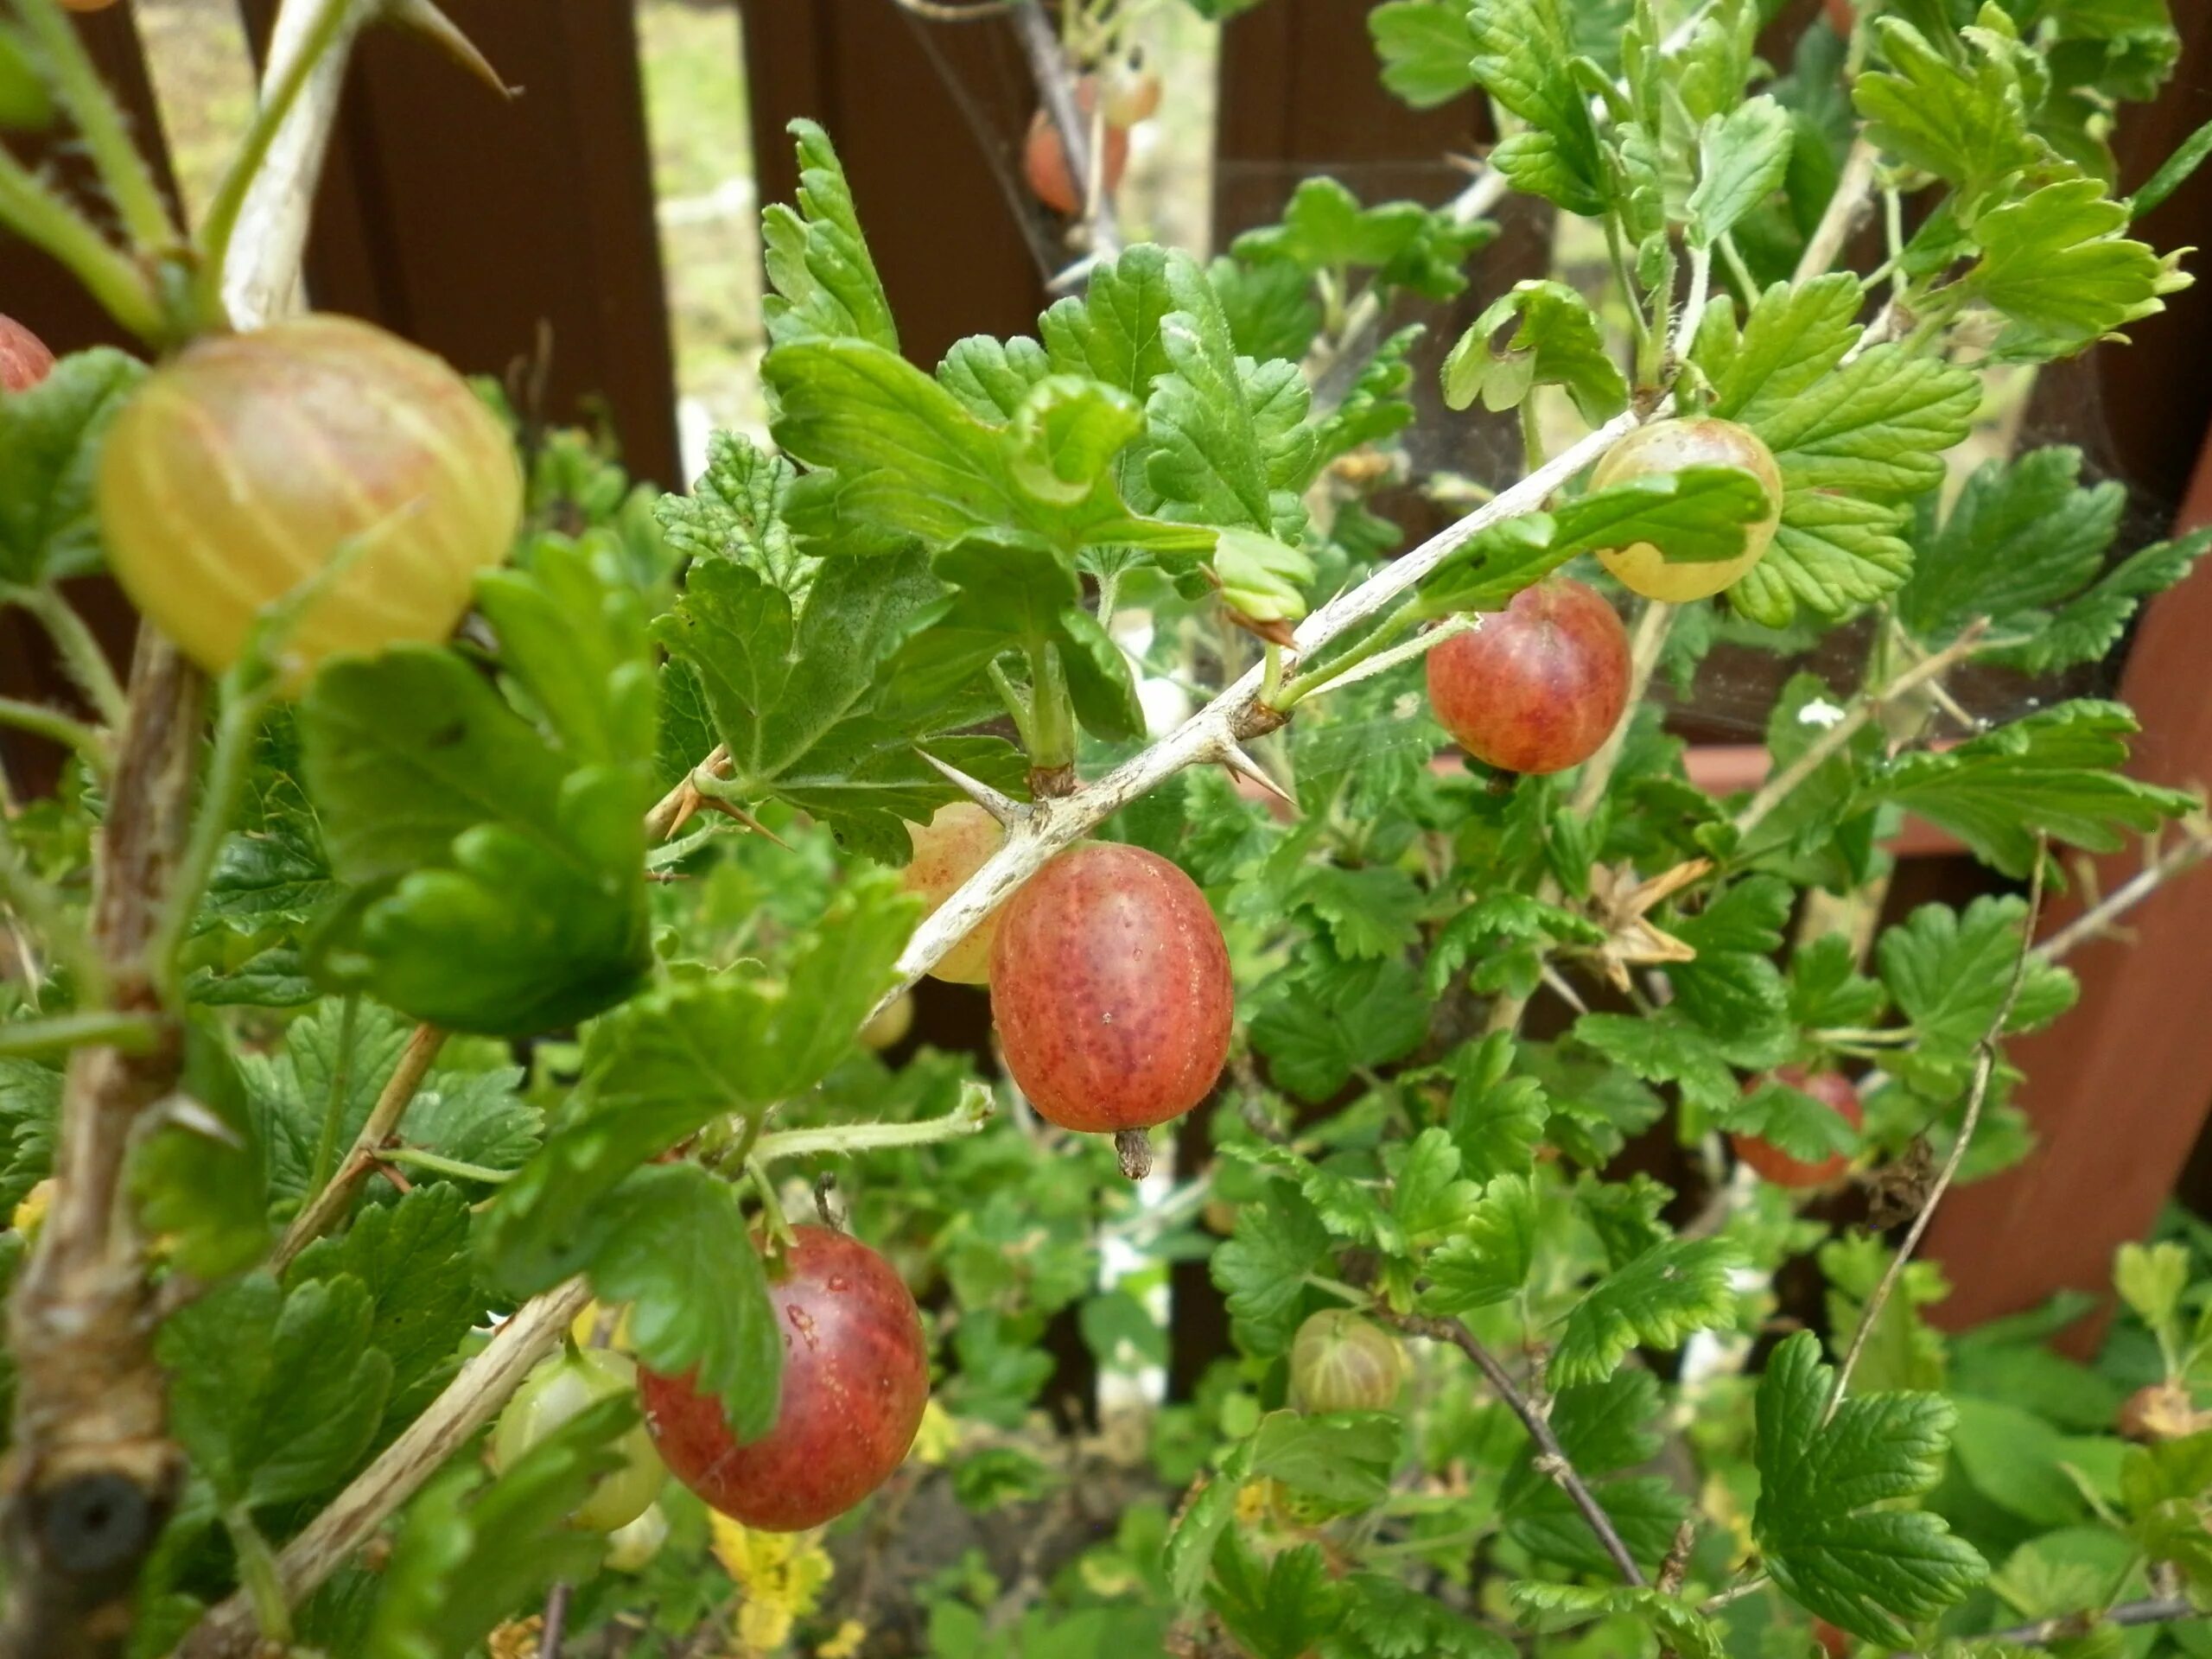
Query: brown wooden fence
point(470, 226)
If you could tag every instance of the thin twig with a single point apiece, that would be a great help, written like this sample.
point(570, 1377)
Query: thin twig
point(1854, 193)
point(1829, 743)
point(1551, 1458)
point(555, 1627)
point(2160, 1609)
point(469, 1401)
point(398, 1093)
point(1984, 1068)
point(974, 11)
point(1048, 66)
point(2183, 857)
point(1645, 647)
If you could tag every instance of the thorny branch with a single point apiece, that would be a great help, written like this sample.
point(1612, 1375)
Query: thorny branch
point(1551, 1458)
point(93, 1474)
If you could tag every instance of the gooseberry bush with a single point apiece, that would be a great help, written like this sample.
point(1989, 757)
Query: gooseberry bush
point(479, 1182)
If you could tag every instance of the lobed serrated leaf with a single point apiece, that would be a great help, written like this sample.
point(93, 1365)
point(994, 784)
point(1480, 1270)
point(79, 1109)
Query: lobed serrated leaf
point(1871, 1572)
point(1657, 1301)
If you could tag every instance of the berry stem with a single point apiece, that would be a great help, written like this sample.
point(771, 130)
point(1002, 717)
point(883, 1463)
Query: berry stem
point(970, 1116)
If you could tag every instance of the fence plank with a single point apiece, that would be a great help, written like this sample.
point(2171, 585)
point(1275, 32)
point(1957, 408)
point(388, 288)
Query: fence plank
point(960, 247)
point(464, 222)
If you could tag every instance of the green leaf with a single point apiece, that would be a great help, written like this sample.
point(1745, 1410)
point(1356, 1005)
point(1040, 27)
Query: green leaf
point(1853, 440)
point(1558, 342)
point(1427, 1198)
point(992, 376)
point(1742, 157)
point(1496, 1119)
point(497, 861)
point(1330, 1018)
point(1344, 1457)
point(1948, 971)
point(1657, 1301)
point(1694, 516)
point(823, 279)
point(1261, 1269)
point(664, 1066)
point(1665, 1048)
point(2056, 264)
point(2016, 1461)
point(735, 510)
point(275, 1394)
point(1827, 988)
point(49, 448)
point(1269, 305)
point(1277, 1610)
point(1871, 1572)
point(1231, 448)
point(472, 1114)
point(1514, 920)
point(2173, 173)
point(1807, 1129)
point(905, 458)
point(676, 1251)
point(1732, 988)
point(198, 1170)
point(1966, 121)
point(1371, 912)
point(1204, 1521)
point(2055, 773)
point(1524, 56)
point(1261, 577)
point(1324, 228)
point(413, 1259)
point(1795, 335)
point(30, 1118)
point(2088, 627)
point(2022, 537)
point(1492, 1250)
point(473, 1552)
point(1679, 1628)
point(1425, 48)
point(2151, 1279)
point(1385, 1620)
